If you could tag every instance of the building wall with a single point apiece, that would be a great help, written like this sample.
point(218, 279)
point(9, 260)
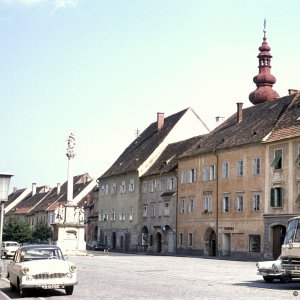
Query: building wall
point(214, 231)
point(120, 232)
point(286, 178)
point(159, 220)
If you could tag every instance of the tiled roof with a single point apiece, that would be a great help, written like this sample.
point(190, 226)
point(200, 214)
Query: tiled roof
point(257, 122)
point(13, 196)
point(143, 146)
point(168, 160)
point(288, 126)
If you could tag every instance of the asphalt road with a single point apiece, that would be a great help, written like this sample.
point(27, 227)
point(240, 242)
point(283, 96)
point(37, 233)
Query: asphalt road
point(121, 276)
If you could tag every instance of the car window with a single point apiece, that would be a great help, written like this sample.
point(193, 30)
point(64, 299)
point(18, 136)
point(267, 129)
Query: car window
point(40, 253)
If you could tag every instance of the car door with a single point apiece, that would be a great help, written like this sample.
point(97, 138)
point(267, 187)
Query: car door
point(14, 268)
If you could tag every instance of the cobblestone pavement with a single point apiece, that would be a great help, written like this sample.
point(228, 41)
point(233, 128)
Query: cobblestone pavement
point(122, 276)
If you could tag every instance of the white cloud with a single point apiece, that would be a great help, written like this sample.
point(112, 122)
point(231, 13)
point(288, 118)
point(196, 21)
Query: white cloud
point(64, 3)
point(22, 2)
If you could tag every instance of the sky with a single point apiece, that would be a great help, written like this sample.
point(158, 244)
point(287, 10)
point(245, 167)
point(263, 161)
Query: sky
point(104, 68)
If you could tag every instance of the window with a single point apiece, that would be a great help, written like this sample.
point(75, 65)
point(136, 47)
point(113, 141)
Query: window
point(106, 189)
point(277, 161)
point(240, 168)
point(131, 214)
point(123, 187)
point(131, 185)
point(102, 191)
point(167, 209)
point(190, 240)
point(152, 186)
point(225, 170)
point(105, 217)
point(152, 210)
point(182, 206)
point(256, 201)
point(145, 187)
point(171, 183)
point(209, 173)
point(159, 185)
point(145, 211)
point(122, 216)
point(226, 202)
point(191, 206)
point(207, 203)
point(113, 215)
point(113, 189)
point(183, 176)
point(192, 177)
point(180, 239)
point(160, 209)
point(276, 197)
point(256, 166)
point(240, 203)
point(254, 243)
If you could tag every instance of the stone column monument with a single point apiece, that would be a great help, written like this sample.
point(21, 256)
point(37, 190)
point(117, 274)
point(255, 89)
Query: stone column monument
point(69, 230)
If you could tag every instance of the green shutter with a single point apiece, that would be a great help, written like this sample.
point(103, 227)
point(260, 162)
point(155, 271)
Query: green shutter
point(275, 161)
point(272, 197)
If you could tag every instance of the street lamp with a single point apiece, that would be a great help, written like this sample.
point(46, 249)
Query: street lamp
point(4, 187)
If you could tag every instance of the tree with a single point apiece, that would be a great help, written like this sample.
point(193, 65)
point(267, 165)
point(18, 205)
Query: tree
point(42, 232)
point(17, 230)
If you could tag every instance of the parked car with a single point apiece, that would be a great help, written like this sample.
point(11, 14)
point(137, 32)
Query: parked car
point(100, 247)
point(41, 267)
point(271, 270)
point(9, 248)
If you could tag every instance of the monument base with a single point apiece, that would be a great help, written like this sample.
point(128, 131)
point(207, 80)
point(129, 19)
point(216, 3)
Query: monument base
point(70, 238)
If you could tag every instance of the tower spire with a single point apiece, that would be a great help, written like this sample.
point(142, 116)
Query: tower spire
point(264, 80)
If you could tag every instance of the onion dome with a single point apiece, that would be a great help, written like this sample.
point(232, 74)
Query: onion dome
point(264, 80)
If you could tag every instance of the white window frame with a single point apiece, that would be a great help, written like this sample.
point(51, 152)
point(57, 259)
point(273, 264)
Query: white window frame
point(225, 169)
point(113, 189)
point(160, 209)
point(240, 168)
point(152, 209)
point(167, 209)
point(182, 206)
point(256, 201)
point(145, 187)
point(145, 210)
point(131, 185)
point(192, 175)
point(256, 166)
point(130, 214)
point(183, 176)
point(240, 200)
point(207, 203)
point(226, 203)
point(171, 183)
point(123, 187)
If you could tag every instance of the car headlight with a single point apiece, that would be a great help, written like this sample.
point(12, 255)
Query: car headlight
point(73, 268)
point(69, 275)
point(25, 270)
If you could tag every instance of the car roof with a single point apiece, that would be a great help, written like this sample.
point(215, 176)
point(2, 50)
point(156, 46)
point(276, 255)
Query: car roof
point(39, 246)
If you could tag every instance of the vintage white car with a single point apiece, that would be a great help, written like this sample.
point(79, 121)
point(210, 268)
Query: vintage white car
point(41, 267)
point(271, 270)
point(9, 248)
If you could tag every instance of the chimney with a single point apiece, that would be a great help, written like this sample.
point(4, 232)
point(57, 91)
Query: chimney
point(33, 189)
point(160, 120)
point(239, 113)
point(58, 188)
point(219, 120)
point(15, 189)
point(293, 91)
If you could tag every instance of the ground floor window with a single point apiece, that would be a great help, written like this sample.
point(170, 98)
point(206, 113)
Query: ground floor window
point(254, 243)
point(190, 239)
point(180, 239)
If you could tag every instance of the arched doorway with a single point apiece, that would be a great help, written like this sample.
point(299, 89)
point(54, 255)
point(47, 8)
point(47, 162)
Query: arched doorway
point(210, 240)
point(158, 241)
point(113, 241)
point(145, 238)
point(278, 238)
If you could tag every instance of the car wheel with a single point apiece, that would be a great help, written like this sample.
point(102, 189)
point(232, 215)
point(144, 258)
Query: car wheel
point(285, 279)
point(69, 289)
point(23, 292)
point(268, 279)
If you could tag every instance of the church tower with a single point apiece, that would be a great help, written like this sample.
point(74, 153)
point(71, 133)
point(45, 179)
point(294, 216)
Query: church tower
point(264, 80)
